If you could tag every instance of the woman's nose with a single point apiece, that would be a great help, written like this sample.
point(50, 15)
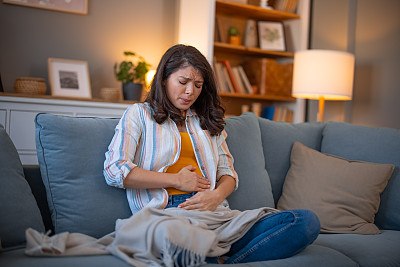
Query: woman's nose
point(189, 88)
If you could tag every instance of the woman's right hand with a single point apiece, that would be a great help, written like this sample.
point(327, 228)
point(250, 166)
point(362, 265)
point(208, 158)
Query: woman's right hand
point(190, 181)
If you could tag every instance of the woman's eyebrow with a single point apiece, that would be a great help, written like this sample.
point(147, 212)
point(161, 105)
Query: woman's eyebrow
point(187, 78)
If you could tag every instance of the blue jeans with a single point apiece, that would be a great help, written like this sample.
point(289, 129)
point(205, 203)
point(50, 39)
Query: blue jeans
point(275, 236)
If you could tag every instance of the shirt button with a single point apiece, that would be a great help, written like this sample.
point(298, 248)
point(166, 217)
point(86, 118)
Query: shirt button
point(202, 167)
point(197, 150)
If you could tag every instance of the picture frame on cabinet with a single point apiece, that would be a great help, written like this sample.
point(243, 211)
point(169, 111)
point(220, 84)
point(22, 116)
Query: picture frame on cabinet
point(271, 36)
point(72, 6)
point(69, 78)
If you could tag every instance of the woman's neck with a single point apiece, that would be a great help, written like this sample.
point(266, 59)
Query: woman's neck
point(182, 128)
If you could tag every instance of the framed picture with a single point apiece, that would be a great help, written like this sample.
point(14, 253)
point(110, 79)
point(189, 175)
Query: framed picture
point(271, 36)
point(69, 78)
point(71, 6)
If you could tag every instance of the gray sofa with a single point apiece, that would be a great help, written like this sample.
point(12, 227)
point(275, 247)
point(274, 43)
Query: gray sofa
point(68, 191)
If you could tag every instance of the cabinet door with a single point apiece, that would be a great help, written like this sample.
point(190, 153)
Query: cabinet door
point(3, 114)
point(22, 133)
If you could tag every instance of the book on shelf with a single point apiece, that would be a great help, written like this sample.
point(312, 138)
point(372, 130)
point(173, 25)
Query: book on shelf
point(221, 29)
point(219, 75)
point(269, 76)
point(245, 80)
point(231, 75)
point(238, 80)
point(232, 79)
point(268, 112)
point(227, 79)
point(277, 113)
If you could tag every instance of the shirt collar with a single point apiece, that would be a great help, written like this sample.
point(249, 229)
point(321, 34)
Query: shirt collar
point(190, 113)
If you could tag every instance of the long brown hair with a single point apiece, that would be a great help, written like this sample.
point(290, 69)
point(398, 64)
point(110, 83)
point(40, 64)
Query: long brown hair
point(208, 104)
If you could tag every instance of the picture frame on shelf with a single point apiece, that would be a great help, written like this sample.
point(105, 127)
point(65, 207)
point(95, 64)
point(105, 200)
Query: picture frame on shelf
point(69, 78)
point(271, 36)
point(71, 6)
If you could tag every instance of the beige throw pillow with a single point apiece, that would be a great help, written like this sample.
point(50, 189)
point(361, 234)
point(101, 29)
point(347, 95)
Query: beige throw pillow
point(345, 194)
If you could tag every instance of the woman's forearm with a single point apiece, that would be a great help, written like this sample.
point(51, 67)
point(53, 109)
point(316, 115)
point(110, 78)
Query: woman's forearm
point(143, 179)
point(225, 186)
point(186, 180)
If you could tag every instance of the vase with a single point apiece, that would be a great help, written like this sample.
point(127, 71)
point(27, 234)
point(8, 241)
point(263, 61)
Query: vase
point(132, 91)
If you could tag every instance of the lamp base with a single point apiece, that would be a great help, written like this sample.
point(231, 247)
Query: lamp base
point(321, 106)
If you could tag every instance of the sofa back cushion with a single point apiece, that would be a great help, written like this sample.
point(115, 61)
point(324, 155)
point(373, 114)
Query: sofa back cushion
point(71, 156)
point(277, 141)
point(18, 207)
point(372, 144)
point(244, 142)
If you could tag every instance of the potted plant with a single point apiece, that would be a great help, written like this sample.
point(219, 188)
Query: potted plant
point(132, 73)
point(234, 36)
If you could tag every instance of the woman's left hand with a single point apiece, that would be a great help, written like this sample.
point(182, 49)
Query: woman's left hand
point(205, 200)
point(209, 200)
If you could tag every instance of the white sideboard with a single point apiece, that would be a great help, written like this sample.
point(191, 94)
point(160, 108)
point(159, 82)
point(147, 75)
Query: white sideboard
point(17, 115)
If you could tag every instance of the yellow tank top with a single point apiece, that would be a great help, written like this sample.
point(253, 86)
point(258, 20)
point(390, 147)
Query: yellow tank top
point(186, 158)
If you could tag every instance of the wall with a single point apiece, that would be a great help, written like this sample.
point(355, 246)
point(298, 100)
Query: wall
point(29, 36)
point(377, 79)
point(371, 30)
point(197, 31)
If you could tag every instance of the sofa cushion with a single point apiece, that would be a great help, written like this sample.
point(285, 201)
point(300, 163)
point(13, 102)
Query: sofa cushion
point(368, 251)
point(373, 144)
point(17, 258)
point(18, 208)
point(277, 140)
point(313, 255)
point(344, 194)
point(71, 156)
point(244, 142)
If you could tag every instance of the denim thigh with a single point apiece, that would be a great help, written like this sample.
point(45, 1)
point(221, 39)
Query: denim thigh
point(276, 236)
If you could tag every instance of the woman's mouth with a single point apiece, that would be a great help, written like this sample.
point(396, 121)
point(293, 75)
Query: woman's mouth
point(185, 101)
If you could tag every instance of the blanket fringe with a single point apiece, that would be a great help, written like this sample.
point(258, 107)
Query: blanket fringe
point(173, 255)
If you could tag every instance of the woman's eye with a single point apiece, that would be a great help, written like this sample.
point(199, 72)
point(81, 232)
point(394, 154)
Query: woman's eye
point(199, 85)
point(183, 83)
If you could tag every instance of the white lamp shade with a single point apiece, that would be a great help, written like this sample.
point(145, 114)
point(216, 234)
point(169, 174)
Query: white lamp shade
point(323, 74)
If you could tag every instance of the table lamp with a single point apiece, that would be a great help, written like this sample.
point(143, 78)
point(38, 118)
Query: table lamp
point(323, 75)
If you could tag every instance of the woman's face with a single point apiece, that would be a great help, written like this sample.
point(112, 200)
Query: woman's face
point(184, 87)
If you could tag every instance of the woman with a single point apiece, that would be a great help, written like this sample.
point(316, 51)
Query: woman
point(171, 152)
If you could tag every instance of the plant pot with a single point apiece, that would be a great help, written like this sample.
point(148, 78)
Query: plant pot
point(132, 91)
point(235, 40)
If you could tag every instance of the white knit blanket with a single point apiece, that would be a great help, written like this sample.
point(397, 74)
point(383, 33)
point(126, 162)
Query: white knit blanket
point(155, 237)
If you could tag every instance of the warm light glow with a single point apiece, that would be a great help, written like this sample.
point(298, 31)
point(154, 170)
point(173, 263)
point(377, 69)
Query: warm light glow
point(323, 74)
point(149, 77)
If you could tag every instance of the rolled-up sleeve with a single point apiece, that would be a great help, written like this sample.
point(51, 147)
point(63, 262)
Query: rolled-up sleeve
point(225, 161)
point(121, 151)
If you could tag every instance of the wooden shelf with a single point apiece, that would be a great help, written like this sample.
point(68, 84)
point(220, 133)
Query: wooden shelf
point(249, 51)
point(258, 13)
point(66, 98)
point(258, 97)
point(231, 14)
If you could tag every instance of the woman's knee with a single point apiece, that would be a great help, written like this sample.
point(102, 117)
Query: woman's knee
point(308, 224)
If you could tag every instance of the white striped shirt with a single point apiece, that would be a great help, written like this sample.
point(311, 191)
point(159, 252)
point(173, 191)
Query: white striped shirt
point(140, 141)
